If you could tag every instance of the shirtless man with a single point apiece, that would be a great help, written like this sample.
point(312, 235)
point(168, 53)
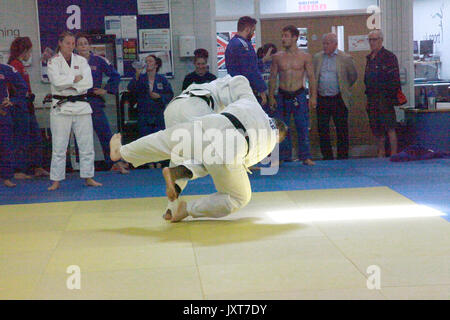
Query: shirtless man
point(292, 64)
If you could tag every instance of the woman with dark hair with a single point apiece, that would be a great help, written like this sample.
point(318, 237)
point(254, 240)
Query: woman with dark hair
point(153, 92)
point(201, 73)
point(27, 135)
point(100, 66)
point(265, 54)
point(70, 79)
point(9, 77)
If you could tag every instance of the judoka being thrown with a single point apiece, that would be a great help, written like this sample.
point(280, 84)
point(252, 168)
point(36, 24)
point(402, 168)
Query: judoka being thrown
point(223, 145)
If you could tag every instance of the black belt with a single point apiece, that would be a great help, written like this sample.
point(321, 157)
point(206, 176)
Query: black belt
point(290, 95)
point(64, 99)
point(239, 126)
point(208, 99)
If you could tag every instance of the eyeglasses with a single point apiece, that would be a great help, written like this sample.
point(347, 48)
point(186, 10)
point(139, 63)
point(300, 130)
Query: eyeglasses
point(374, 39)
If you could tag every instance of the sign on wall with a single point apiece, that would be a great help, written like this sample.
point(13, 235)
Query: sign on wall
point(311, 5)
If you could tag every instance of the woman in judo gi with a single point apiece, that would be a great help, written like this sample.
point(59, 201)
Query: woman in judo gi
point(70, 79)
point(153, 92)
point(9, 76)
point(100, 66)
point(27, 135)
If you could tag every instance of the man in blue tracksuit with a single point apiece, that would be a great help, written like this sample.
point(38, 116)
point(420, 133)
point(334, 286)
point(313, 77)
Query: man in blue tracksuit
point(241, 59)
point(9, 75)
point(100, 66)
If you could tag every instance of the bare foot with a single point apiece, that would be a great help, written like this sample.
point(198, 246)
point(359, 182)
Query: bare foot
point(170, 184)
point(54, 186)
point(9, 183)
point(309, 162)
point(114, 147)
point(171, 207)
point(21, 176)
point(119, 166)
point(181, 212)
point(92, 183)
point(41, 172)
point(168, 215)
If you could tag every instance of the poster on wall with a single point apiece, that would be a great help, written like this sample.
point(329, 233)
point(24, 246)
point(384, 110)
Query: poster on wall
point(302, 41)
point(128, 25)
point(113, 26)
point(129, 49)
point(154, 40)
point(358, 43)
point(146, 7)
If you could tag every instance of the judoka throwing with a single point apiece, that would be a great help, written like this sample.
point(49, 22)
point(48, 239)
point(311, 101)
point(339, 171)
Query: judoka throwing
point(200, 100)
point(222, 145)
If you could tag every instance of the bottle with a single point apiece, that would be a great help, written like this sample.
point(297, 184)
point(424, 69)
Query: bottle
point(139, 66)
point(431, 99)
point(422, 98)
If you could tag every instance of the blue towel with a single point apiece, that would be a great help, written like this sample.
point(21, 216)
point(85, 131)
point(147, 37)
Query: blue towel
point(418, 152)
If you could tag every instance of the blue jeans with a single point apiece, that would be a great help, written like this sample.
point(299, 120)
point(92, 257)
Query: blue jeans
point(298, 107)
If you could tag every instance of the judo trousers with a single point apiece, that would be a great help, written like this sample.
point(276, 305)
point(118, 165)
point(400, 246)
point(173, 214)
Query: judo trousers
point(230, 180)
point(61, 126)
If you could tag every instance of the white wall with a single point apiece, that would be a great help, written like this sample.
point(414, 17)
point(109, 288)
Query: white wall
point(425, 26)
point(235, 8)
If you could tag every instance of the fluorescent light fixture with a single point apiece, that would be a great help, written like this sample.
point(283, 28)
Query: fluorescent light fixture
point(353, 213)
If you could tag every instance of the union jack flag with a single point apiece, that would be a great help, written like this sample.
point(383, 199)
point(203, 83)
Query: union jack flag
point(223, 39)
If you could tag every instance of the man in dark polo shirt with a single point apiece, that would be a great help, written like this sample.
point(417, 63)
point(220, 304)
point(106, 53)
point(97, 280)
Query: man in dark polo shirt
point(382, 80)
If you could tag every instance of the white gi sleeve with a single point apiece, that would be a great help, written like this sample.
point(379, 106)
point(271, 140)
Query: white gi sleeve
point(59, 81)
point(86, 83)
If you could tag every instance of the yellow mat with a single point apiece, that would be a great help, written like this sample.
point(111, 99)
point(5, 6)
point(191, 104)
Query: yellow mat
point(283, 245)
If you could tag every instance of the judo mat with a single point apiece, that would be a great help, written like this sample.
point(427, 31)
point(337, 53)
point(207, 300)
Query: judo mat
point(308, 233)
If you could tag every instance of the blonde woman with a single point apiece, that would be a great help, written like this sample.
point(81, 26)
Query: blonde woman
point(70, 78)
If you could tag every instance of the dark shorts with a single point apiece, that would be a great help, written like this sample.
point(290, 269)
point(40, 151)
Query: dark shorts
point(381, 112)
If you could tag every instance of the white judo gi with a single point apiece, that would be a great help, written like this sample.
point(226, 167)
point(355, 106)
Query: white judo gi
point(188, 107)
point(223, 91)
point(230, 178)
point(70, 115)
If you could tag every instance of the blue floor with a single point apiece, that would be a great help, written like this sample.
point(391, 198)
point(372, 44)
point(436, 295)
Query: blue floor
point(424, 182)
